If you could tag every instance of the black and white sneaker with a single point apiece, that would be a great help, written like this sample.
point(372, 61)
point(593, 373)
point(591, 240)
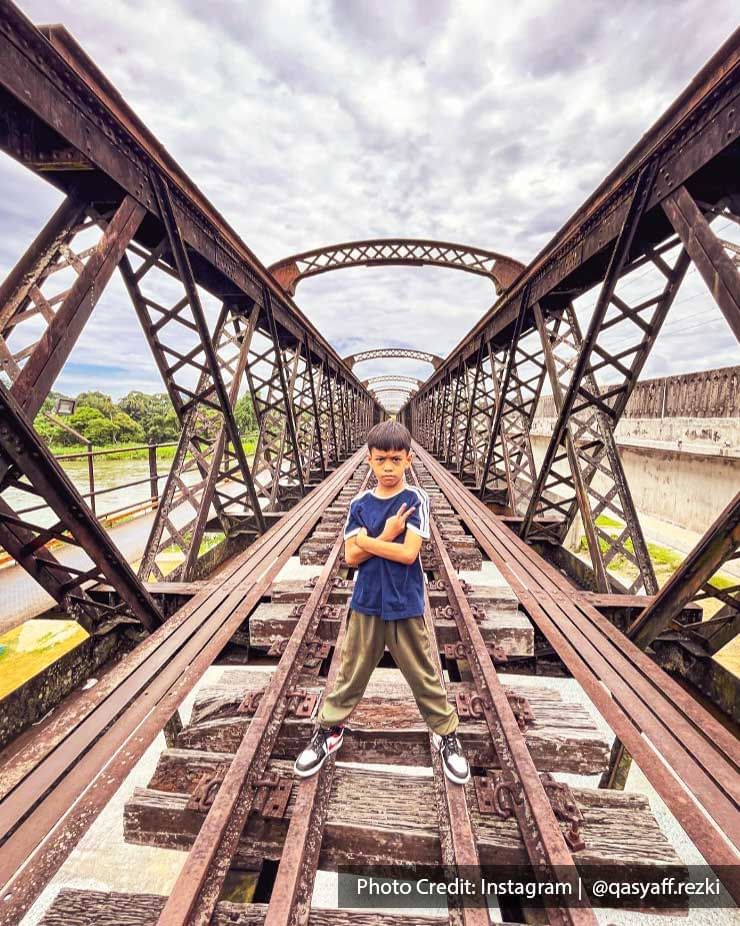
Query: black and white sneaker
point(453, 761)
point(324, 741)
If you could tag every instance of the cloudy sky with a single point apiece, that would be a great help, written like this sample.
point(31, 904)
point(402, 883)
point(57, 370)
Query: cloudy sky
point(316, 123)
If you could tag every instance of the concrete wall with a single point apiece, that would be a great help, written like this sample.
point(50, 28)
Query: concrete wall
point(681, 470)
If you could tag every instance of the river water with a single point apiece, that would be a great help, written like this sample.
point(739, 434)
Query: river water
point(109, 474)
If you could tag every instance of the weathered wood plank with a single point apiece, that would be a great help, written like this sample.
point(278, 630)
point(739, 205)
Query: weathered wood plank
point(391, 731)
point(271, 622)
point(497, 597)
point(376, 815)
point(98, 908)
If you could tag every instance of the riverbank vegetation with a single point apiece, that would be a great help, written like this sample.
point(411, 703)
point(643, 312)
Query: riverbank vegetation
point(137, 418)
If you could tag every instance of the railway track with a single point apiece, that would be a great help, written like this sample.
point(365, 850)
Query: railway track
point(226, 794)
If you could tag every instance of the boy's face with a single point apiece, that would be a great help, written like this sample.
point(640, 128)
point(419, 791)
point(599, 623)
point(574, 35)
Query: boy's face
point(389, 466)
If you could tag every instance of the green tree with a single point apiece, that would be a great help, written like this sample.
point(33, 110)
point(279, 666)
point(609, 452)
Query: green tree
point(127, 430)
point(246, 420)
point(135, 405)
point(99, 400)
point(92, 424)
point(161, 428)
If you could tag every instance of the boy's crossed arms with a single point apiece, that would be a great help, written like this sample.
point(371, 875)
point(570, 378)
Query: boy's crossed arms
point(360, 547)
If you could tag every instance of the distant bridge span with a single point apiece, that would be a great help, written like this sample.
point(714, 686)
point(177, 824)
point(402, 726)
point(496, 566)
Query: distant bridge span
point(391, 378)
point(379, 352)
point(382, 252)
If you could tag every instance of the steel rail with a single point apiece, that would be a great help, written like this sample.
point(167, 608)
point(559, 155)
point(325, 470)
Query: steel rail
point(672, 738)
point(194, 895)
point(539, 828)
point(456, 834)
point(118, 719)
point(290, 898)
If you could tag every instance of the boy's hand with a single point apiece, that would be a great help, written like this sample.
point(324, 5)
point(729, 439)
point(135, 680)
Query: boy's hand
point(360, 536)
point(396, 524)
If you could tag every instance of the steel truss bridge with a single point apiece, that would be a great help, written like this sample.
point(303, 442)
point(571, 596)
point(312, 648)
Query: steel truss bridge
point(216, 320)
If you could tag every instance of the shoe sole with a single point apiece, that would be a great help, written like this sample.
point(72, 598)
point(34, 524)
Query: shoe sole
point(452, 778)
point(448, 773)
point(309, 772)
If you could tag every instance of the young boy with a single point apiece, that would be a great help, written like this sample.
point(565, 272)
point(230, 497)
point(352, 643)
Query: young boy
point(383, 534)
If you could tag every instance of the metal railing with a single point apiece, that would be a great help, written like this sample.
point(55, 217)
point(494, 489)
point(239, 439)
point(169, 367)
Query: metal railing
point(91, 496)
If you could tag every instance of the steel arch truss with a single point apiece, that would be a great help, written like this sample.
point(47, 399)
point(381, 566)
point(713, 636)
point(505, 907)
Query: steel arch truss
point(396, 352)
point(412, 381)
point(381, 252)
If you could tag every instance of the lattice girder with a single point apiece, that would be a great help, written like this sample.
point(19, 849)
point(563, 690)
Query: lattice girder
point(29, 470)
point(205, 472)
point(46, 301)
point(586, 471)
point(38, 285)
point(501, 270)
point(480, 417)
point(277, 467)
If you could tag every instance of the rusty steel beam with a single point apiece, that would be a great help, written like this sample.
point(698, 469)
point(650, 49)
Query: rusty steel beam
point(317, 457)
point(507, 391)
point(20, 296)
point(30, 467)
point(391, 378)
point(32, 372)
point(383, 252)
point(34, 366)
point(692, 580)
point(272, 391)
point(577, 390)
point(719, 271)
point(57, 94)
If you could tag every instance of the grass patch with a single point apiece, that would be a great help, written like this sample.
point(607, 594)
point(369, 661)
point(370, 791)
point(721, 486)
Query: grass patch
point(665, 562)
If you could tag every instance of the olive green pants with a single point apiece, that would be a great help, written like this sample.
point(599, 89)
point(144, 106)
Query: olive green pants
point(407, 639)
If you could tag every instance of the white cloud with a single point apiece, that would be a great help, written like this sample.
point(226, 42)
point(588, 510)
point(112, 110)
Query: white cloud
point(319, 122)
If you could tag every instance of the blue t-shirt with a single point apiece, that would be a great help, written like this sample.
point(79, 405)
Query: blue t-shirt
point(384, 588)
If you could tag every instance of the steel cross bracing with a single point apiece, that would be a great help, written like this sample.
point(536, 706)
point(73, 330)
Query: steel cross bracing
point(635, 239)
point(501, 270)
point(598, 412)
point(478, 419)
point(128, 204)
point(693, 582)
point(46, 301)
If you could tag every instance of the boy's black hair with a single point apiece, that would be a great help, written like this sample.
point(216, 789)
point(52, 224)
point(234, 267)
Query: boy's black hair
point(389, 435)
